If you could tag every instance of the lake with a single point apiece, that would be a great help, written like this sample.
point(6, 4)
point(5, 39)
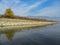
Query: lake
point(46, 35)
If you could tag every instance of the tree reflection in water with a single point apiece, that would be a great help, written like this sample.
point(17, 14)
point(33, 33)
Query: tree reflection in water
point(9, 34)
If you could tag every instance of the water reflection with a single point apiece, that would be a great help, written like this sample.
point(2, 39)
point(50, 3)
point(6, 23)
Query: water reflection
point(10, 35)
point(49, 35)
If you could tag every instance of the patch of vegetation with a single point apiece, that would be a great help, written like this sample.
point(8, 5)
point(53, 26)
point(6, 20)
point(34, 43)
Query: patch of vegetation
point(9, 13)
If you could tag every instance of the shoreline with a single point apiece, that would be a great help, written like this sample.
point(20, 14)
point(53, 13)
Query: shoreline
point(17, 23)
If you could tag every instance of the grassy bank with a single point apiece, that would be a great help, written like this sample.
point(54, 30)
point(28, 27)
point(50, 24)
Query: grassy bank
point(21, 23)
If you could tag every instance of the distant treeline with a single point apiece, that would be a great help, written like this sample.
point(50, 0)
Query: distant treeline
point(26, 18)
point(9, 14)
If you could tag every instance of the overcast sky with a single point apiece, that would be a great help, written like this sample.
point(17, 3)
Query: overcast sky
point(32, 7)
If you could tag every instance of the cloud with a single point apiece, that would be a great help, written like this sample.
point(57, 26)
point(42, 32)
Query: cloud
point(34, 6)
point(23, 9)
point(7, 4)
point(53, 10)
point(48, 11)
point(26, 8)
point(18, 6)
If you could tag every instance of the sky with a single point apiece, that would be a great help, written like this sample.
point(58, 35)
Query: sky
point(32, 7)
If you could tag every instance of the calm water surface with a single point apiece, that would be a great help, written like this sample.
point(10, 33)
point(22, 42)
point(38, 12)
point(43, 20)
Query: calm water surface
point(48, 35)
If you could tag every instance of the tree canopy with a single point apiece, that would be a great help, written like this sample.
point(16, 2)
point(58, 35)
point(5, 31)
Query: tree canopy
point(9, 13)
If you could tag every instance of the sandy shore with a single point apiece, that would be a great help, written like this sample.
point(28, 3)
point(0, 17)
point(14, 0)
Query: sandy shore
point(18, 23)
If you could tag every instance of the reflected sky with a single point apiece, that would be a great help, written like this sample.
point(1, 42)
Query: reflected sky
point(49, 35)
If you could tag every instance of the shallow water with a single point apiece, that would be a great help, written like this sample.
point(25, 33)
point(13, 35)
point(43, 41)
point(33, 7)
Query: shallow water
point(47, 35)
